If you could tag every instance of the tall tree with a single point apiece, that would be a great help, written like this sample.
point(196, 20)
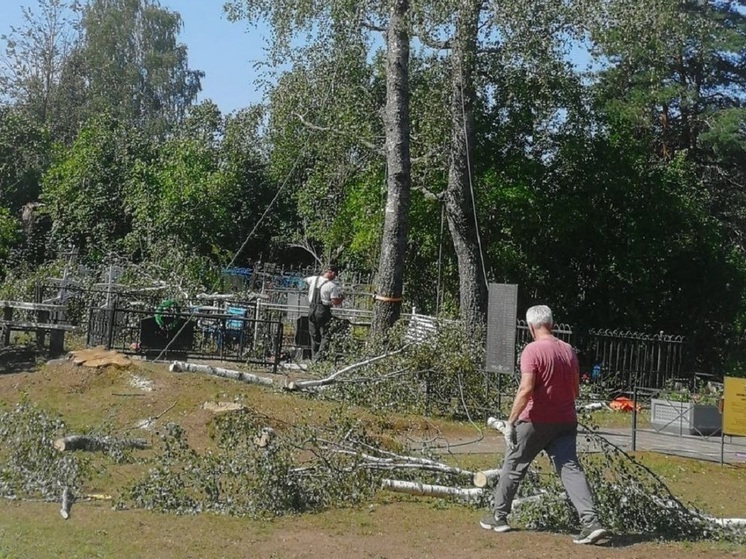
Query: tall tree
point(675, 76)
point(390, 279)
point(460, 202)
point(477, 38)
point(84, 190)
point(35, 54)
point(134, 67)
point(24, 156)
point(345, 24)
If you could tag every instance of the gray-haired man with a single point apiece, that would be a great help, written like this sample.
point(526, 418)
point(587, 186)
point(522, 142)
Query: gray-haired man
point(543, 418)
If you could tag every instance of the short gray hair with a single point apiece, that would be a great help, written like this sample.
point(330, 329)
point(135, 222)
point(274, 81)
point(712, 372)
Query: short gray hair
point(539, 315)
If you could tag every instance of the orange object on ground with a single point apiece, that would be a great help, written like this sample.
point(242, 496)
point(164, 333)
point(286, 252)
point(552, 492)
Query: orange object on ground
point(622, 403)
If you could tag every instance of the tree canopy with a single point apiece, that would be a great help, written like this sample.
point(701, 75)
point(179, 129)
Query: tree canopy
point(440, 145)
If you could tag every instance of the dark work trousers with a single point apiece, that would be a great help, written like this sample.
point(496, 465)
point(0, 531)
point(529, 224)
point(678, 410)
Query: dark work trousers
point(319, 317)
point(558, 440)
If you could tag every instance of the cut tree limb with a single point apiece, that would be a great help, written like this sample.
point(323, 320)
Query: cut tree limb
point(397, 461)
point(304, 384)
point(92, 444)
point(430, 490)
point(67, 502)
point(483, 478)
point(182, 367)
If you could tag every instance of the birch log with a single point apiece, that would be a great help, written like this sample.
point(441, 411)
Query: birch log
point(67, 502)
point(182, 367)
point(394, 461)
point(498, 424)
point(483, 478)
point(93, 444)
point(429, 490)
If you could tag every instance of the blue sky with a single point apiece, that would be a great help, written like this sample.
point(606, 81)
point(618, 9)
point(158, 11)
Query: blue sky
point(225, 51)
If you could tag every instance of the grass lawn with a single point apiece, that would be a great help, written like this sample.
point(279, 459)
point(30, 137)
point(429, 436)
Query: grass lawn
point(390, 526)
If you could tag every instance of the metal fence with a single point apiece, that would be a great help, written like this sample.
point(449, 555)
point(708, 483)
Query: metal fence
point(609, 359)
point(619, 359)
point(229, 334)
point(624, 359)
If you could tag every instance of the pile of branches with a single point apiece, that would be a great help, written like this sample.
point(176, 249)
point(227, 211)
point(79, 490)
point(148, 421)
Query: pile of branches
point(259, 466)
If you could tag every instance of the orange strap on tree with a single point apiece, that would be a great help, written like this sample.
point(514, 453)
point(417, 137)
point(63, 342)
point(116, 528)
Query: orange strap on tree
point(385, 299)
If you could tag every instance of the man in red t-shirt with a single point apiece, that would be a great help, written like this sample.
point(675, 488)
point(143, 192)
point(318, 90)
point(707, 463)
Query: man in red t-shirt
point(543, 418)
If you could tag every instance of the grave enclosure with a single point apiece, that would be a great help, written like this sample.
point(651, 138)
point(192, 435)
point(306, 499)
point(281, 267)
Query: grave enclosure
point(263, 321)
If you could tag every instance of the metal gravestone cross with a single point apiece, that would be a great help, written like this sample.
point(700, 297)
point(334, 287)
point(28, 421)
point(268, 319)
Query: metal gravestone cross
point(499, 351)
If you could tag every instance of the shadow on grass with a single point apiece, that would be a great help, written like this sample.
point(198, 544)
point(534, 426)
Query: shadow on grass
point(18, 359)
point(616, 541)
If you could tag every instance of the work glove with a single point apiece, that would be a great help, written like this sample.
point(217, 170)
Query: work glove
point(511, 440)
point(508, 431)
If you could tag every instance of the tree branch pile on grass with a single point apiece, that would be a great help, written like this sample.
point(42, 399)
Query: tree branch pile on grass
point(261, 468)
point(440, 377)
point(30, 466)
point(629, 498)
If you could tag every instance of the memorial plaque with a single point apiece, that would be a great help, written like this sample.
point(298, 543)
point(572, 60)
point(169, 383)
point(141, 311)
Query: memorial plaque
point(502, 311)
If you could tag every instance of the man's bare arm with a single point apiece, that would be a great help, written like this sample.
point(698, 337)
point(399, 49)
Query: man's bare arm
point(522, 396)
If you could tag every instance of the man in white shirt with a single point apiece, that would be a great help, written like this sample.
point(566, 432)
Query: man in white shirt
point(323, 293)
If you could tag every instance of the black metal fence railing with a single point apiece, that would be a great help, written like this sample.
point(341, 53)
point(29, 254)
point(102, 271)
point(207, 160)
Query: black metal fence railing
point(350, 325)
point(523, 336)
point(225, 335)
point(258, 330)
point(637, 359)
point(619, 359)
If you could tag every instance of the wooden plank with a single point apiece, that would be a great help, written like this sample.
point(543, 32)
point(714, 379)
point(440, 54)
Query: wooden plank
point(17, 325)
point(23, 305)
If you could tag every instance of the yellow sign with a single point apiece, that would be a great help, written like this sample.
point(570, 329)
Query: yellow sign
point(734, 406)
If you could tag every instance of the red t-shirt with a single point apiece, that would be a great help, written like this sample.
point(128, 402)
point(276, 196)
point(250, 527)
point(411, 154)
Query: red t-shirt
point(555, 366)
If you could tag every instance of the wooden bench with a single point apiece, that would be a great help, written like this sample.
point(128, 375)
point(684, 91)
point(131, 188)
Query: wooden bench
point(41, 324)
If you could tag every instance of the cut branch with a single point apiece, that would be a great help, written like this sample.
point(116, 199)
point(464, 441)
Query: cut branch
point(93, 444)
point(182, 367)
point(67, 503)
point(429, 490)
point(405, 462)
point(483, 478)
point(305, 384)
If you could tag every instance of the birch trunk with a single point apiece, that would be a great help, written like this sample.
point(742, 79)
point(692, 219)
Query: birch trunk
point(181, 367)
point(390, 277)
point(93, 444)
point(429, 490)
point(460, 205)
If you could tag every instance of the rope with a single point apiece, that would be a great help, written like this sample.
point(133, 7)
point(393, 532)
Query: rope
point(438, 295)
